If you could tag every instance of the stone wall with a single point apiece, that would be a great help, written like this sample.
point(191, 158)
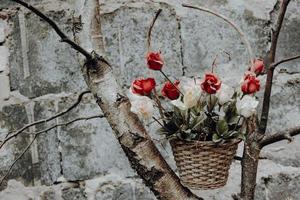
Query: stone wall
point(40, 76)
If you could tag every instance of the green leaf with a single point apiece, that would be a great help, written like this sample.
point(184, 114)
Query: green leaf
point(231, 134)
point(222, 127)
point(233, 120)
point(216, 138)
point(197, 122)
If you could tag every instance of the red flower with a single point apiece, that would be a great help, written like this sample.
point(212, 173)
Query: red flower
point(211, 83)
point(155, 61)
point(171, 91)
point(258, 66)
point(250, 84)
point(143, 86)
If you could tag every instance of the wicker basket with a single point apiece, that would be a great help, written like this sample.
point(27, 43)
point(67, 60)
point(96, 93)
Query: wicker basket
point(203, 165)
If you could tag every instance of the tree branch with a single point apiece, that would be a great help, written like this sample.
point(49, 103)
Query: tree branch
point(9, 137)
point(43, 131)
point(281, 135)
point(270, 70)
point(240, 32)
point(62, 35)
point(274, 65)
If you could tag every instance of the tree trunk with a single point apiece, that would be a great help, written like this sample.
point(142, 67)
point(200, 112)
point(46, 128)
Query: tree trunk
point(249, 169)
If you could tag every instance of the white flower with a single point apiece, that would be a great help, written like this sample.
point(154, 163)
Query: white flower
point(192, 93)
point(191, 96)
point(224, 94)
point(246, 106)
point(143, 107)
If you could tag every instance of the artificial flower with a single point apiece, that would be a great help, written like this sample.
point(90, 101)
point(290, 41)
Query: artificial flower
point(251, 84)
point(143, 107)
point(155, 61)
point(246, 106)
point(170, 90)
point(143, 86)
point(211, 83)
point(258, 66)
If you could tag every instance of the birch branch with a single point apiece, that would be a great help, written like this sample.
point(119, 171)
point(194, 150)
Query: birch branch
point(139, 148)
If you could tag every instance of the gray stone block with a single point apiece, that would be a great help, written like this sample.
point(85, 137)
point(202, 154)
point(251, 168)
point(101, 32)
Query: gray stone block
point(73, 194)
point(12, 118)
point(113, 187)
point(47, 143)
point(89, 148)
point(39, 63)
point(279, 187)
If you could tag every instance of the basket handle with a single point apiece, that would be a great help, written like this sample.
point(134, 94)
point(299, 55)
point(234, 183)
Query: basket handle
point(240, 32)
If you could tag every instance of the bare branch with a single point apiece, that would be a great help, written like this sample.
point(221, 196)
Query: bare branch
point(9, 137)
point(274, 65)
point(43, 131)
point(270, 70)
point(150, 29)
point(281, 135)
point(242, 35)
point(62, 35)
point(18, 158)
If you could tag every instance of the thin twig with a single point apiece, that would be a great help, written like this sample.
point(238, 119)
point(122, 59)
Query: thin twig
point(43, 131)
point(150, 29)
point(279, 136)
point(242, 35)
point(18, 158)
point(285, 60)
point(160, 107)
point(62, 35)
point(9, 137)
point(270, 70)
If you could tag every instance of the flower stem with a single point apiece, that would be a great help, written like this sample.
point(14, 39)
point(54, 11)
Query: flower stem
point(241, 117)
point(210, 108)
point(170, 82)
point(160, 108)
point(188, 117)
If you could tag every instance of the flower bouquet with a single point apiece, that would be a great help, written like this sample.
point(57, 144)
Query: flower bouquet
point(204, 121)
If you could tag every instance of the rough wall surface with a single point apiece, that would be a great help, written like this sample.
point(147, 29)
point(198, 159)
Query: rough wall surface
point(40, 76)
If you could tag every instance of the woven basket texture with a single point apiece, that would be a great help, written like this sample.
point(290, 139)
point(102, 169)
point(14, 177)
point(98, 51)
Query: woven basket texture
point(203, 164)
